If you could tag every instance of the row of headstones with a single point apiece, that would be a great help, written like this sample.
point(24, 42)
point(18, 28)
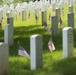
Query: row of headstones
point(24, 10)
point(56, 19)
point(35, 54)
point(9, 29)
point(8, 33)
point(69, 2)
point(53, 7)
point(58, 12)
point(4, 47)
point(36, 51)
point(36, 12)
point(35, 59)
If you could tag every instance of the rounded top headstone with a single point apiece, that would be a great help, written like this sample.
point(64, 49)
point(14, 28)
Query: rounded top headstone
point(67, 28)
point(35, 35)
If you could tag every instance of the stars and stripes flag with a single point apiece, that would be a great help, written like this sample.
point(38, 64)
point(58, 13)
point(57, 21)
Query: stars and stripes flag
point(61, 23)
point(2, 19)
point(47, 28)
point(53, 12)
point(0, 25)
point(51, 45)
point(36, 17)
point(62, 13)
point(29, 15)
point(49, 17)
point(22, 52)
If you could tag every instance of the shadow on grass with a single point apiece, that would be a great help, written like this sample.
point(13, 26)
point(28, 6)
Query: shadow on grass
point(1, 35)
point(58, 40)
point(65, 66)
point(74, 38)
point(23, 33)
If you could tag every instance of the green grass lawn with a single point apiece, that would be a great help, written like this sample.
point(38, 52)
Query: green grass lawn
point(53, 63)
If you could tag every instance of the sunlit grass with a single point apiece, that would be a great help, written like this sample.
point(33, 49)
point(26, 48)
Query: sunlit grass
point(53, 63)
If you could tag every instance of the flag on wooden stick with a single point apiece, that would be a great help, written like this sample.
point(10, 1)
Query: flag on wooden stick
point(29, 15)
point(2, 19)
point(23, 52)
point(0, 25)
point(61, 23)
point(51, 45)
point(49, 17)
point(53, 12)
point(16, 15)
point(62, 13)
point(47, 28)
point(36, 19)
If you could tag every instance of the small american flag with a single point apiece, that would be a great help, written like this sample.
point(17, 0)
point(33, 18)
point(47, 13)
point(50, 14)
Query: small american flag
point(47, 28)
point(51, 45)
point(61, 23)
point(36, 19)
point(62, 13)
point(22, 52)
point(53, 12)
point(2, 19)
point(0, 25)
point(29, 16)
point(49, 17)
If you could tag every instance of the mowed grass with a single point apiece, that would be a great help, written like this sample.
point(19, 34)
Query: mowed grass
point(53, 63)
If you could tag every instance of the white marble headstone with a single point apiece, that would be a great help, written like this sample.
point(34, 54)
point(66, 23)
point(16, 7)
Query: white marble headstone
point(4, 59)
point(53, 6)
point(8, 35)
point(67, 42)
point(36, 51)
point(71, 8)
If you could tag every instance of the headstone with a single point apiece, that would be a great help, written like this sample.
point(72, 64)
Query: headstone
point(10, 18)
point(75, 1)
point(8, 35)
point(61, 5)
point(52, 1)
point(10, 21)
point(12, 13)
point(68, 2)
point(70, 8)
point(53, 6)
point(71, 2)
point(58, 1)
point(71, 20)
point(37, 13)
point(54, 25)
point(58, 13)
point(36, 52)
point(44, 17)
point(4, 59)
point(67, 42)
point(23, 15)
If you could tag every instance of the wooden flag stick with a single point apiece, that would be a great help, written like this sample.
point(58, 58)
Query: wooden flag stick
point(50, 44)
